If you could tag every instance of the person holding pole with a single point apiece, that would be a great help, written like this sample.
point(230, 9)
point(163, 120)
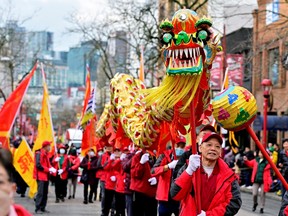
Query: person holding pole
point(219, 192)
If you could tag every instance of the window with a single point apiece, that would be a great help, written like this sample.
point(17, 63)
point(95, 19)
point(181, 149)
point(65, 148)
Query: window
point(272, 12)
point(273, 66)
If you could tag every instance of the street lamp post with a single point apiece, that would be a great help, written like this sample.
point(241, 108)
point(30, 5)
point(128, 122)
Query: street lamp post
point(267, 87)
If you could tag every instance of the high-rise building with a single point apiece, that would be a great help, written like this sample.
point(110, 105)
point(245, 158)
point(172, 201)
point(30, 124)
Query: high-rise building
point(78, 58)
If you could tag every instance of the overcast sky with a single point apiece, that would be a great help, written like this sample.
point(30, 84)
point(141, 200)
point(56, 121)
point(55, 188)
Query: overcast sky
point(51, 15)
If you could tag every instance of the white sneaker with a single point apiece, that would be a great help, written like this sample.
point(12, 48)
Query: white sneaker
point(249, 187)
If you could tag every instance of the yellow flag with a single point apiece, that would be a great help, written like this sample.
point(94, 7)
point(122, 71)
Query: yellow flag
point(24, 164)
point(45, 127)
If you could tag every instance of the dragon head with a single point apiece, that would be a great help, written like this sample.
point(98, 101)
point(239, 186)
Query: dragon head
point(188, 44)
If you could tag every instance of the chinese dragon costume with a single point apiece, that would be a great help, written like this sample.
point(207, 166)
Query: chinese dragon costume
point(141, 115)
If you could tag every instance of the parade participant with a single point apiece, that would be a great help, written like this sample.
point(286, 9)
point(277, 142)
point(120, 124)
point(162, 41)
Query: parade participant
point(120, 183)
point(182, 160)
point(73, 171)
point(42, 169)
point(126, 165)
point(143, 184)
point(89, 166)
point(220, 192)
point(61, 164)
point(102, 162)
point(7, 187)
point(163, 168)
point(112, 170)
point(261, 178)
point(98, 175)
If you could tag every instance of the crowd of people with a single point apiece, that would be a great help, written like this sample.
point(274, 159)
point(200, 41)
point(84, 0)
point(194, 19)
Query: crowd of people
point(136, 181)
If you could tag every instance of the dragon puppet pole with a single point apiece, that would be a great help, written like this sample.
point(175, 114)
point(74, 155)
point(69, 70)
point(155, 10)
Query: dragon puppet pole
point(194, 151)
point(267, 157)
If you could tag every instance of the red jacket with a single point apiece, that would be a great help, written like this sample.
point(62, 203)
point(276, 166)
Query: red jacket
point(267, 179)
point(112, 169)
point(140, 173)
point(102, 162)
point(121, 177)
point(164, 182)
point(226, 200)
point(41, 166)
point(74, 163)
point(21, 211)
point(65, 166)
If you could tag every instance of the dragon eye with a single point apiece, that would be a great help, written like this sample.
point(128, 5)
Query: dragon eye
point(182, 17)
point(202, 35)
point(167, 37)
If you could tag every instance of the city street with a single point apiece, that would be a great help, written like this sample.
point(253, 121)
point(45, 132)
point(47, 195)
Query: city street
point(75, 207)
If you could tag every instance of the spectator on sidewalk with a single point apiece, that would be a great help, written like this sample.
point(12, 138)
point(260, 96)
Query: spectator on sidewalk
point(261, 178)
point(283, 163)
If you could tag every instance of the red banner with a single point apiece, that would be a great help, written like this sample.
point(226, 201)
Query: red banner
point(235, 64)
point(216, 71)
point(11, 107)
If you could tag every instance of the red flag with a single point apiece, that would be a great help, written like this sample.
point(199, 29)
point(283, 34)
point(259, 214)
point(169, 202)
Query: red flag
point(11, 107)
point(87, 92)
point(89, 137)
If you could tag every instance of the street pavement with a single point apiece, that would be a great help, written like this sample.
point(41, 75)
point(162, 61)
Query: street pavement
point(75, 207)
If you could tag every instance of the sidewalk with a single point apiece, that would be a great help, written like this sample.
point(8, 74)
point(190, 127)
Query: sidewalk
point(271, 195)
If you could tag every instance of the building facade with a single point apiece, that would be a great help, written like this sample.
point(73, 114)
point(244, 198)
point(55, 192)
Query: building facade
point(270, 49)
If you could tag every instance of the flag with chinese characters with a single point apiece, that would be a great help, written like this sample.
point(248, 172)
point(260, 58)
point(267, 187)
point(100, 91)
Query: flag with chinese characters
point(11, 107)
point(23, 162)
point(45, 126)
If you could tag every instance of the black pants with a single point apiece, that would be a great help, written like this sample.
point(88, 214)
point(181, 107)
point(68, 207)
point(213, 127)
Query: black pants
point(96, 188)
point(144, 205)
point(42, 193)
point(91, 192)
point(120, 204)
point(60, 187)
point(167, 208)
point(107, 202)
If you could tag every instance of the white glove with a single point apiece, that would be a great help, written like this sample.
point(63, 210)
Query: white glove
point(194, 163)
point(57, 159)
point(52, 170)
point(113, 178)
point(172, 164)
point(144, 158)
point(60, 171)
point(122, 156)
point(203, 213)
point(137, 152)
point(112, 156)
point(152, 181)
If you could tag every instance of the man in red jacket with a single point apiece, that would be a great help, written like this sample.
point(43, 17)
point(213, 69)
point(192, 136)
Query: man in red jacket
point(42, 169)
point(220, 192)
point(143, 185)
point(163, 168)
